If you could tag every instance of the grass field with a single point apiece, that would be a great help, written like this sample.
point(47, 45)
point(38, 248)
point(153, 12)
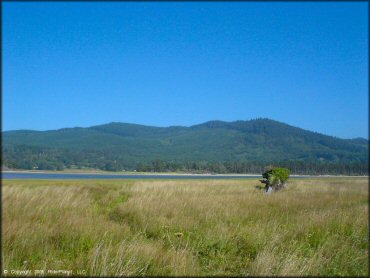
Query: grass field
point(186, 227)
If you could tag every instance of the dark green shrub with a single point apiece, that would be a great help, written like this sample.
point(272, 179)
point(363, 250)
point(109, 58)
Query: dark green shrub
point(275, 174)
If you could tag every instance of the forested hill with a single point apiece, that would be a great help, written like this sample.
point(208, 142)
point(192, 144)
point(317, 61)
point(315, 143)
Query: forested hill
point(117, 146)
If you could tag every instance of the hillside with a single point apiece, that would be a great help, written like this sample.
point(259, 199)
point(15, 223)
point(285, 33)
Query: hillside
point(261, 140)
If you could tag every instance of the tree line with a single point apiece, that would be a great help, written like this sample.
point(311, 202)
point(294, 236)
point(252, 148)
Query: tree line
point(32, 157)
point(256, 167)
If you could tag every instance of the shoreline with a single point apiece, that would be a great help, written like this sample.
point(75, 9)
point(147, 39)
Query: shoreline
point(123, 173)
point(160, 173)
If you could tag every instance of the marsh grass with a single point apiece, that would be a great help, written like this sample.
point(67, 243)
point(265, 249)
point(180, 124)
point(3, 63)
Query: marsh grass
point(186, 227)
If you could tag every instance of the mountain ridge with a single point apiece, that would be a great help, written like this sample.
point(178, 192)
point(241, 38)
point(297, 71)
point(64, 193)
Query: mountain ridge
point(207, 123)
point(258, 140)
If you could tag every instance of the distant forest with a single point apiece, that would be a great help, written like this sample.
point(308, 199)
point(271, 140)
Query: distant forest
point(211, 147)
point(31, 158)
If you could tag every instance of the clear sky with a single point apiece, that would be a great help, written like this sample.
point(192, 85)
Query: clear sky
point(82, 64)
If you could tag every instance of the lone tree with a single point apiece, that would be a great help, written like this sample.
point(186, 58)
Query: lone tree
point(275, 179)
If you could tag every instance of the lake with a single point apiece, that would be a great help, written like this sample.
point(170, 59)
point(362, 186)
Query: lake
point(14, 175)
point(58, 176)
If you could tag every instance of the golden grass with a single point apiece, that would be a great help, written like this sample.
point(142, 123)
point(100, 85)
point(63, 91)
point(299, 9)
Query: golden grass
point(186, 227)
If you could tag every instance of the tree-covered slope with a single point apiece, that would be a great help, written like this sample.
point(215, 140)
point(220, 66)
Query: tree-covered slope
point(260, 140)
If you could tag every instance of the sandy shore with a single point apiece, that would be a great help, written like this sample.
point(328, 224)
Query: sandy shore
point(156, 173)
point(123, 173)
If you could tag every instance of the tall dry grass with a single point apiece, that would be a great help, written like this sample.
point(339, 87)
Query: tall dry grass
point(186, 227)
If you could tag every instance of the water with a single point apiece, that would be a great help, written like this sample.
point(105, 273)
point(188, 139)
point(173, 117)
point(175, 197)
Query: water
point(13, 175)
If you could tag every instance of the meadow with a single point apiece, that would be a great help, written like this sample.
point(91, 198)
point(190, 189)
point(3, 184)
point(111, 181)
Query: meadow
point(186, 227)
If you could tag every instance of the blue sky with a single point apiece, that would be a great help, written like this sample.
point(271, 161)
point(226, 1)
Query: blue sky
point(82, 64)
